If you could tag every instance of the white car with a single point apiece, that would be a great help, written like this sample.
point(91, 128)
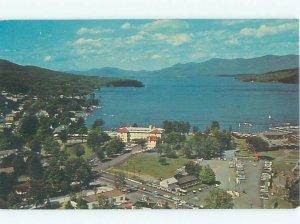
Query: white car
point(176, 199)
point(166, 196)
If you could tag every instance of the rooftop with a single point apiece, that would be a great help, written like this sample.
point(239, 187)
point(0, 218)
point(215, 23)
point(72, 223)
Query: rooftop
point(186, 179)
point(171, 180)
point(108, 194)
point(8, 170)
point(123, 130)
point(155, 131)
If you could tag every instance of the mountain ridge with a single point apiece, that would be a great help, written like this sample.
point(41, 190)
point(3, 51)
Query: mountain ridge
point(32, 79)
point(214, 66)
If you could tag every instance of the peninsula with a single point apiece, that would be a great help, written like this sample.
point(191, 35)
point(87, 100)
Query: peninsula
point(290, 76)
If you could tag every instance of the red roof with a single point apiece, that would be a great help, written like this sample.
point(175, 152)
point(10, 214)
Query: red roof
point(123, 130)
point(155, 131)
point(152, 138)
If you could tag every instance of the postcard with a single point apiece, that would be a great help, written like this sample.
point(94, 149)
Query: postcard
point(149, 114)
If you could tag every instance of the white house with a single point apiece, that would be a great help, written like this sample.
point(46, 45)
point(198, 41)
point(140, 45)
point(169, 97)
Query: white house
point(114, 196)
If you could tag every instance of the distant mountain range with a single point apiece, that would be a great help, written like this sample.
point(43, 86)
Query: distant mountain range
point(215, 66)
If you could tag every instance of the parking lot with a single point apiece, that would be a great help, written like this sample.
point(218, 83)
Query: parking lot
point(248, 190)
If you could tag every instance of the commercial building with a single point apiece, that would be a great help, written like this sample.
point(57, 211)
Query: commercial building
point(169, 183)
point(128, 134)
point(115, 197)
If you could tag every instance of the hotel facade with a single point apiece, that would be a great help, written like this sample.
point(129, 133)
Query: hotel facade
point(128, 134)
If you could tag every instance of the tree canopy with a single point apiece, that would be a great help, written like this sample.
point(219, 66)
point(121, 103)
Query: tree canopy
point(207, 175)
point(193, 168)
point(258, 144)
point(176, 126)
point(219, 199)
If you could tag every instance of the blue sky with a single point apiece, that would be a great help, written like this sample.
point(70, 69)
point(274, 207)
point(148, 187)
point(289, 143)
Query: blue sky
point(142, 44)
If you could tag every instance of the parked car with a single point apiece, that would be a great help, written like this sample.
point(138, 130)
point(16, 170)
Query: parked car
point(166, 196)
point(175, 198)
point(156, 193)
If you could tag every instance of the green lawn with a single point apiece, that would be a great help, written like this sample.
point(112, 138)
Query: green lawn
point(273, 154)
point(149, 165)
point(87, 151)
point(242, 145)
point(294, 154)
point(284, 159)
point(283, 165)
point(281, 203)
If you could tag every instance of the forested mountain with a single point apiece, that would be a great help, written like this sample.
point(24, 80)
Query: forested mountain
point(284, 76)
point(31, 79)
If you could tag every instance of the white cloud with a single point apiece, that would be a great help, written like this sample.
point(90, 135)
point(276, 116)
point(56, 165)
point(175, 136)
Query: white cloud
point(87, 41)
point(85, 30)
point(156, 56)
point(137, 37)
point(179, 39)
point(175, 40)
point(264, 30)
point(48, 58)
point(126, 26)
point(165, 25)
point(160, 36)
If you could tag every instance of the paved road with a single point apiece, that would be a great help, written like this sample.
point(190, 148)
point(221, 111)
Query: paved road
point(250, 199)
point(109, 179)
point(115, 161)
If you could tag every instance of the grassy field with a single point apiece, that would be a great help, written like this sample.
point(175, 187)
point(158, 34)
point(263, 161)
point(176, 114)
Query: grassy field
point(288, 153)
point(281, 203)
point(283, 159)
point(87, 151)
point(283, 165)
point(149, 165)
point(242, 145)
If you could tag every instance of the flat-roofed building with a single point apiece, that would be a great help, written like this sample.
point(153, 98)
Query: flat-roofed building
point(169, 183)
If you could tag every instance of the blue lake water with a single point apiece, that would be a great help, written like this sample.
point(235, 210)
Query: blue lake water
point(199, 100)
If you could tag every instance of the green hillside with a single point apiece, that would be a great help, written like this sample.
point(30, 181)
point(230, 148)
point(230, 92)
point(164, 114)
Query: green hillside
point(34, 80)
point(290, 76)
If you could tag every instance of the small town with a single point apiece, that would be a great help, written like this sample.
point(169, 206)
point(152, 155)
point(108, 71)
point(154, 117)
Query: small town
point(49, 159)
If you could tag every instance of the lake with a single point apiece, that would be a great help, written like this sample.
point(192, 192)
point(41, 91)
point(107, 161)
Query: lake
point(199, 100)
